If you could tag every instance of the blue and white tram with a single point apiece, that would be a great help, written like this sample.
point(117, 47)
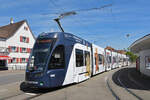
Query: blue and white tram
point(98, 59)
point(119, 60)
point(124, 60)
point(58, 59)
point(114, 60)
point(108, 57)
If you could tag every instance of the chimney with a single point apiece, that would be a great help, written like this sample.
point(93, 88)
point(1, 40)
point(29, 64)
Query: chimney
point(11, 21)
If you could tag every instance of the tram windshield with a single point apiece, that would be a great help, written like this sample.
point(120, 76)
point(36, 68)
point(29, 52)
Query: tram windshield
point(39, 54)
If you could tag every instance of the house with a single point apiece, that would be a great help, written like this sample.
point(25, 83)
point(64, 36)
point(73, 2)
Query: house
point(16, 42)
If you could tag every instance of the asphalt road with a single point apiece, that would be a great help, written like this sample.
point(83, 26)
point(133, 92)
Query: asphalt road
point(129, 84)
point(118, 84)
point(11, 77)
point(8, 79)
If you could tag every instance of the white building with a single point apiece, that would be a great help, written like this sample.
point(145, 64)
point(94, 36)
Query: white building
point(16, 42)
point(142, 48)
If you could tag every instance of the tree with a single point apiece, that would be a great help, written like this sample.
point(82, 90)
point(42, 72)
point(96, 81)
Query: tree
point(132, 56)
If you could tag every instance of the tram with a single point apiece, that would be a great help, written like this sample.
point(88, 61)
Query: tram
point(60, 58)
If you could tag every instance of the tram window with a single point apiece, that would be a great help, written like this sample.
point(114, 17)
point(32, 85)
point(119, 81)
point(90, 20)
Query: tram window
point(100, 58)
point(96, 58)
point(57, 60)
point(114, 59)
point(87, 57)
point(79, 58)
point(109, 59)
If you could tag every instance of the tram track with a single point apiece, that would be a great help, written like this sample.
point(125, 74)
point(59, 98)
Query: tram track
point(111, 90)
point(121, 85)
point(119, 92)
point(128, 90)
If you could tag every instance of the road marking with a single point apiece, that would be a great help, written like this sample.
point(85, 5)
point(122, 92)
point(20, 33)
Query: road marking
point(3, 90)
point(32, 94)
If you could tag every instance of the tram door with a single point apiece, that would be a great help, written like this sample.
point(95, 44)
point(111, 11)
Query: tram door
point(78, 71)
point(82, 69)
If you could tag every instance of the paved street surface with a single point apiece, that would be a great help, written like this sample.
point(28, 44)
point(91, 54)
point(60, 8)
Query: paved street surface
point(7, 77)
point(119, 84)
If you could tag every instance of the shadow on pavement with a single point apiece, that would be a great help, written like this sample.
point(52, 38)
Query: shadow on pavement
point(131, 78)
point(29, 89)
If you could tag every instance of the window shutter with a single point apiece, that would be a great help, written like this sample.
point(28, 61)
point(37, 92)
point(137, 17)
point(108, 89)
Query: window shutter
point(20, 38)
point(20, 49)
point(26, 59)
point(20, 60)
point(9, 47)
point(29, 50)
point(9, 60)
point(17, 60)
point(27, 40)
point(17, 49)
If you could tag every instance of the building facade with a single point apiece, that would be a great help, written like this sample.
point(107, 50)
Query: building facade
point(16, 42)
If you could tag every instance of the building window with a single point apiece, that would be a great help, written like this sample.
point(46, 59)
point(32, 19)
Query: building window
point(26, 28)
point(147, 62)
point(79, 58)
point(24, 39)
point(24, 50)
point(13, 49)
point(23, 60)
point(14, 60)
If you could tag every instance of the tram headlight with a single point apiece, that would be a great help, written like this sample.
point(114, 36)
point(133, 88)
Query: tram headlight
point(55, 36)
point(38, 74)
point(41, 83)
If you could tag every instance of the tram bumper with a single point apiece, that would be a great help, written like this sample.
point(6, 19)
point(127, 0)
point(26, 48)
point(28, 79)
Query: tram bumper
point(32, 80)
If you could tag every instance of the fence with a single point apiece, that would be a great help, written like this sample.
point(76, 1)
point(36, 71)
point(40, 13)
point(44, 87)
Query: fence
point(16, 67)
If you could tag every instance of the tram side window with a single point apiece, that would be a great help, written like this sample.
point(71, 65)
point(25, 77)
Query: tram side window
point(114, 59)
point(109, 59)
point(57, 60)
point(100, 58)
point(87, 57)
point(79, 58)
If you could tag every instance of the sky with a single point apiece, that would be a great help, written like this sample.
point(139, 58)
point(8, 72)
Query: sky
point(106, 27)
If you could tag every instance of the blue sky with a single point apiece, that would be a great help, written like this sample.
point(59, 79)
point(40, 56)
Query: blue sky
point(106, 27)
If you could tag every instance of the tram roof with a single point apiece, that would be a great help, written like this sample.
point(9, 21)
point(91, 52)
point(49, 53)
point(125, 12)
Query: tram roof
point(68, 36)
